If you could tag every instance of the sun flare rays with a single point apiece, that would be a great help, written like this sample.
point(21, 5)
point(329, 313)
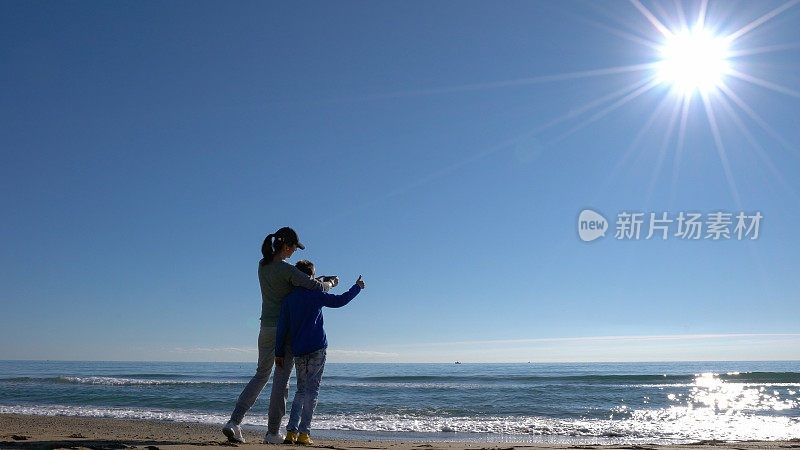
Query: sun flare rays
point(694, 60)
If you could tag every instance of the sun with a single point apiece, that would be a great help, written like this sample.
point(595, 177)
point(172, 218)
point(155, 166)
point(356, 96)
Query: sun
point(693, 60)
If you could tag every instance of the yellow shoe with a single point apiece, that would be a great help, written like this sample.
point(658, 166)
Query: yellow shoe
point(304, 439)
point(291, 437)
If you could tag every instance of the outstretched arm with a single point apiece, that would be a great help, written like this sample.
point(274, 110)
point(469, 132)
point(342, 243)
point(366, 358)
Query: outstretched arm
point(337, 301)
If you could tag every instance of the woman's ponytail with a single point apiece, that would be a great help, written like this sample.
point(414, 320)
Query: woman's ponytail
point(266, 249)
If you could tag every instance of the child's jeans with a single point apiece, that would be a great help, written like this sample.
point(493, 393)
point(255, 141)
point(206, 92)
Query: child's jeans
point(308, 369)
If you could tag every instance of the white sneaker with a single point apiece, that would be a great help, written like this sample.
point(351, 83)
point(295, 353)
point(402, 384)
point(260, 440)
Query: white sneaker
point(233, 432)
point(274, 438)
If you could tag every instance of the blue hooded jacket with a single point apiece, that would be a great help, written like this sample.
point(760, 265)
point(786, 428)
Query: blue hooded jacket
point(301, 319)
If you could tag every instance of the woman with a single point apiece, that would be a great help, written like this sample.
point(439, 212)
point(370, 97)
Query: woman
point(277, 278)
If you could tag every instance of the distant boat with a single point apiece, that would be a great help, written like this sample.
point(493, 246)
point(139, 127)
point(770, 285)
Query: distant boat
point(458, 362)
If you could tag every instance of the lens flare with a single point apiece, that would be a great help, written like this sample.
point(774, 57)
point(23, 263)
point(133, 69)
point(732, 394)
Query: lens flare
point(693, 60)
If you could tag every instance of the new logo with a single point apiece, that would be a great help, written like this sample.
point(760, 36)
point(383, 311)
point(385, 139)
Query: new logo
point(591, 225)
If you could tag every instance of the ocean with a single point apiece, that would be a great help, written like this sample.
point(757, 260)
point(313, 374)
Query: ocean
point(672, 402)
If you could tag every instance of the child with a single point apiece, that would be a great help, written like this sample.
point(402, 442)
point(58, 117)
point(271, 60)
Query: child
point(301, 320)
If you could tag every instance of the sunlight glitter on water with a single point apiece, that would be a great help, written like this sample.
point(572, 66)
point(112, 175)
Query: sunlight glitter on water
point(731, 398)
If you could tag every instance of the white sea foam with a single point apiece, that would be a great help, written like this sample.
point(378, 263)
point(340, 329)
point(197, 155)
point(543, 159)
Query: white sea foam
point(418, 385)
point(671, 424)
point(674, 424)
point(113, 413)
point(123, 381)
point(114, 381)
point(732, 383)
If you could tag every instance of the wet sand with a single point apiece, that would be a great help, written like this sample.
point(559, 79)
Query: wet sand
point(47, 432)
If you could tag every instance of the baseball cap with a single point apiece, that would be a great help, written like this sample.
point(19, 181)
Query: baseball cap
point(289, 236)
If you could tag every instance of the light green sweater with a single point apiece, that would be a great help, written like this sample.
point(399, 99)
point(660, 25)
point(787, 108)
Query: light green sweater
point(277, 280)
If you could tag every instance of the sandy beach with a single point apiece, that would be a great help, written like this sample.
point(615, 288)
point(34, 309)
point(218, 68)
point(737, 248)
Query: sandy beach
point(23, 431)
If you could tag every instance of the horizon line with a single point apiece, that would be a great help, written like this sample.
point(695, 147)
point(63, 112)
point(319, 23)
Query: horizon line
point(411, 362)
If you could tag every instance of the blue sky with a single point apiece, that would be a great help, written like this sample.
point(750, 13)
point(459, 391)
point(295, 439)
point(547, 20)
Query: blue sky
point(148, 148)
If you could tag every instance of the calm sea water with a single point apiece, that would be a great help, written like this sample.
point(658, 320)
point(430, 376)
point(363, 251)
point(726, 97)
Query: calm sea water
point(592, 402)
